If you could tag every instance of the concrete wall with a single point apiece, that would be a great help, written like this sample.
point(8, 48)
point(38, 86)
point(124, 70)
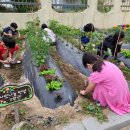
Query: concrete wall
point(20, 19)
point(108, 20)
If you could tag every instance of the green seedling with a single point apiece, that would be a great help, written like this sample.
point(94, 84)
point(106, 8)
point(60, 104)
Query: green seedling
point(54, 85)
point(94, 110)
point(47, 72)
point(126, 53)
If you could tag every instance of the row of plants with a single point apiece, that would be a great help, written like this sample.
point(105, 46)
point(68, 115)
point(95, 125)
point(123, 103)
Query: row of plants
point(40, 50)
point(71, 34)
point(74, 35)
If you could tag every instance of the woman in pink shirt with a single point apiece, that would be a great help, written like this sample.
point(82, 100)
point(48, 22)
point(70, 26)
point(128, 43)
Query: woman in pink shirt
point(107, 83)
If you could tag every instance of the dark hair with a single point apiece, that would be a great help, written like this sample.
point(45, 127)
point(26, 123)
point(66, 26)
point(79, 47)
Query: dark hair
point(89, 27)
point(44, 26)
point(14, 25)
point(90, 58)
point(9, 42)
point(116, 37)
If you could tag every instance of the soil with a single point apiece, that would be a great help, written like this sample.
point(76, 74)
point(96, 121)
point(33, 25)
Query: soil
point(127, 75)
point(39, 117)
point(74, 77)
point(12, 74)
point(36, 115)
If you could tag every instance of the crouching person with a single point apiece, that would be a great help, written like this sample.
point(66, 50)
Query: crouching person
point(8, 47)
point(50, 35)
point(12, 32)
point(107, 83)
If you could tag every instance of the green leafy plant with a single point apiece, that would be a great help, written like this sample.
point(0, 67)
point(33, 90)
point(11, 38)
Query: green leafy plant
point(25, 8)
point(125, 69)
point(93, 109)
point(73, 35)
point(38, 46)
point(103, 7)
point(47, 72)
point(126, 53)
point(54, 85)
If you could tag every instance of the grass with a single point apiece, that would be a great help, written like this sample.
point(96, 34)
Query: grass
point(94, 110)
point(27, 127)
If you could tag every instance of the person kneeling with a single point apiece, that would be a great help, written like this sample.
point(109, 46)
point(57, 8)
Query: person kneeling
point(107, 83)
point(7, 49)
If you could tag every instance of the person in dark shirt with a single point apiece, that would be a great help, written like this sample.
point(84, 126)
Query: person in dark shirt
point(112, 43)
point(10, 31)
point(86, 29)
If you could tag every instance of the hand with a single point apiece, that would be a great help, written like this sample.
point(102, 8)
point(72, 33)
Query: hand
point(10, 35)
point(83, 92)
point(1, 61)
point(10, 59)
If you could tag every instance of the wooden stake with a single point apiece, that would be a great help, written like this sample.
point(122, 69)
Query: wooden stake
point(16, 109)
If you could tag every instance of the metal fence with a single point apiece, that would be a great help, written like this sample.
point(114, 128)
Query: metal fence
point(20, 6)
point(69, 5)
point(125, 7)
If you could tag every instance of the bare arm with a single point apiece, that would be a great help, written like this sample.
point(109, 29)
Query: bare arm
point(5, 55)
point(7, 34)
point(88, 89)
point(19, 35)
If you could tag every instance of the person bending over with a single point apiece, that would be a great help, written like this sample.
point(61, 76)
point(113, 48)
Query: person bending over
point(50, 34)
point(8, 48)
point(12, 32)
point(108, 88)
point(111, 45)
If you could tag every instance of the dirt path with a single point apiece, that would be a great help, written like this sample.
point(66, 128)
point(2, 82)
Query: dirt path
point(35, 114)
point(33, 107)
point(75, 78)
point(12, 74)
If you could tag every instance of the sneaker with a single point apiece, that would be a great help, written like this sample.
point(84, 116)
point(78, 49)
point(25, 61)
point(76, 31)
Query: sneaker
point(18, 61)
point(7, 65)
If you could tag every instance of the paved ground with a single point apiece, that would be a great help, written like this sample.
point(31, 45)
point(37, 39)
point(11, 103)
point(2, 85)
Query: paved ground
point(115, 122)
point(126, 128)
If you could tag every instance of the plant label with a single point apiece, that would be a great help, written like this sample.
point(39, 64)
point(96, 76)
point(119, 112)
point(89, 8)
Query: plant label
point(12, 94)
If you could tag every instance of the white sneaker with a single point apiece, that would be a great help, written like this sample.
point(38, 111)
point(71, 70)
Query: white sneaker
point(18, 61)
point(7, 65)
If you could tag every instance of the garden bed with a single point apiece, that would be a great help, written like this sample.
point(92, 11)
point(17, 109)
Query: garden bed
point(71, 55)
point(48, 98)
point(74, 57)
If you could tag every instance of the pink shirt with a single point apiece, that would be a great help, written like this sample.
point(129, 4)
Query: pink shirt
point(111, 88)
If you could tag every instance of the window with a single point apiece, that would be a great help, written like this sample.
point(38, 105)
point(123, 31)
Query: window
point(69, 5)
point(20, 6)
point(125, 5)
point(104, 6)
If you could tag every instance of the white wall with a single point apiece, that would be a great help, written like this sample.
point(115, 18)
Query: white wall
point(108, 20)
